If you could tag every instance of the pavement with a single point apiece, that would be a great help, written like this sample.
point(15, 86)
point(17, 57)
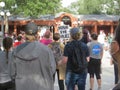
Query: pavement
point(107, 75)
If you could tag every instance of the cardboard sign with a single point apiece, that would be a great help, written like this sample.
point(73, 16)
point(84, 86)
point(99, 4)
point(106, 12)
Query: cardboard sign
point(64, 32)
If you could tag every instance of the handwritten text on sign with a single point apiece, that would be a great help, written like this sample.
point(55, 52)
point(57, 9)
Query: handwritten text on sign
point(64, 31)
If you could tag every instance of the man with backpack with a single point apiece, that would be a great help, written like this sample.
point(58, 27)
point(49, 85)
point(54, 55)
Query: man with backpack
point(76, 55)
point(57, 49)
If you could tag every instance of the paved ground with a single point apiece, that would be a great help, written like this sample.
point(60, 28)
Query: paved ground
point(107, 75)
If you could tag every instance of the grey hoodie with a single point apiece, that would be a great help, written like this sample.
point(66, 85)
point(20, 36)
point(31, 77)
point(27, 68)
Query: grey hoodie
point(33, 67)
point(5, 67)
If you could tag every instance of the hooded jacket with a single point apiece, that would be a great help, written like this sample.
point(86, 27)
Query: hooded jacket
point(33, 67)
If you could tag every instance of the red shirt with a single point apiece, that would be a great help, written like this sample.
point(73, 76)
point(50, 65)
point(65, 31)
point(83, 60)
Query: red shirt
point(17, 43)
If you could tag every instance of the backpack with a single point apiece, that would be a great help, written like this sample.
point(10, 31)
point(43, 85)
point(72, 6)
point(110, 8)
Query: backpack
point(57, 51)
point(79, 62)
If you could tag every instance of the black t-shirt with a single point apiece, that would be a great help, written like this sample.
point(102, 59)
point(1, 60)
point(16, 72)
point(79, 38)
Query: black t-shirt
point(68, 52)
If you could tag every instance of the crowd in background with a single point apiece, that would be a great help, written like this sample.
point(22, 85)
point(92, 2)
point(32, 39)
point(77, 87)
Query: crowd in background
point(23, 39)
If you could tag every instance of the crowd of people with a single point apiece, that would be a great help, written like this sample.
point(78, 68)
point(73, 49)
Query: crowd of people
point(28, 62)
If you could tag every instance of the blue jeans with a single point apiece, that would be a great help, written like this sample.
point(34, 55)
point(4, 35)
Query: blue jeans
point(73, 79)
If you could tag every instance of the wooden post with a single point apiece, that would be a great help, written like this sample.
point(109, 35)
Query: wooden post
point(95, 28)
point(15, 28)
point(112, 29)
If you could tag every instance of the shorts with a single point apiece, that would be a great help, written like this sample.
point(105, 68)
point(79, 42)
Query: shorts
point(94, 66)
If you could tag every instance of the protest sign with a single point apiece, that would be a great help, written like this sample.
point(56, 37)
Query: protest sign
point(64, 31)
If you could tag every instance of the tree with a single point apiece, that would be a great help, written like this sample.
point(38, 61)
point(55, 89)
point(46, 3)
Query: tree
point(95, 7)
point(73, 8)
point(33, 8)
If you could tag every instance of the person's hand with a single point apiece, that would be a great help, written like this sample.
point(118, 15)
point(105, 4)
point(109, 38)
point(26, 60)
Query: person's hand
point(59, 62)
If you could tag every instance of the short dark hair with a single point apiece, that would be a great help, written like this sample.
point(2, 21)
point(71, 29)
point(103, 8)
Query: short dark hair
point(19, 38)
point(94, 36)
point(56, 36)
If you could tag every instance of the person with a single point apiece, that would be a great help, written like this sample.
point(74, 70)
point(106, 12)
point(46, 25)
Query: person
point(6, 81)
point(115, 52)
point(110, 37)
point(46, 39)
point(94, 65)
point(85, 38)
point(72, 78)
point(101, 37)
point(18, 41)
point(34, 64)
point(60, 68)
point(106, 44)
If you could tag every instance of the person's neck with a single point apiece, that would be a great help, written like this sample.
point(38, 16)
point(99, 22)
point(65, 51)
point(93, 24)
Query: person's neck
point(56, 41)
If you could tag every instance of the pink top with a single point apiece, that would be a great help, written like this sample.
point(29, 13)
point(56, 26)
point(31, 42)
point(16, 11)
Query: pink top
point(46, 41)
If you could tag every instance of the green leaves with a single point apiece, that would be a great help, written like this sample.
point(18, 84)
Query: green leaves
point(94, 7)
point(33, 8)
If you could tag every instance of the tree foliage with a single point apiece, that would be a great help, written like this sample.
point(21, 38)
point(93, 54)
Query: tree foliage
point(33, 8)
point(95, 7)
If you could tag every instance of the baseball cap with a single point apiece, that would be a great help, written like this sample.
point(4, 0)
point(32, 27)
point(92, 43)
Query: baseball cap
point(74, 31)
point(31, 28)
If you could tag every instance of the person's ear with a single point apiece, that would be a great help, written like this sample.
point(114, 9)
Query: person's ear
point(114, 47)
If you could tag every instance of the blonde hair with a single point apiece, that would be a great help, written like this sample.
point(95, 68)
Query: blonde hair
point(31, 38)
point(76, 36)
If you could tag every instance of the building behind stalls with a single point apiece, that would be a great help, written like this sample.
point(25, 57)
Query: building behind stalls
point(94, 23)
